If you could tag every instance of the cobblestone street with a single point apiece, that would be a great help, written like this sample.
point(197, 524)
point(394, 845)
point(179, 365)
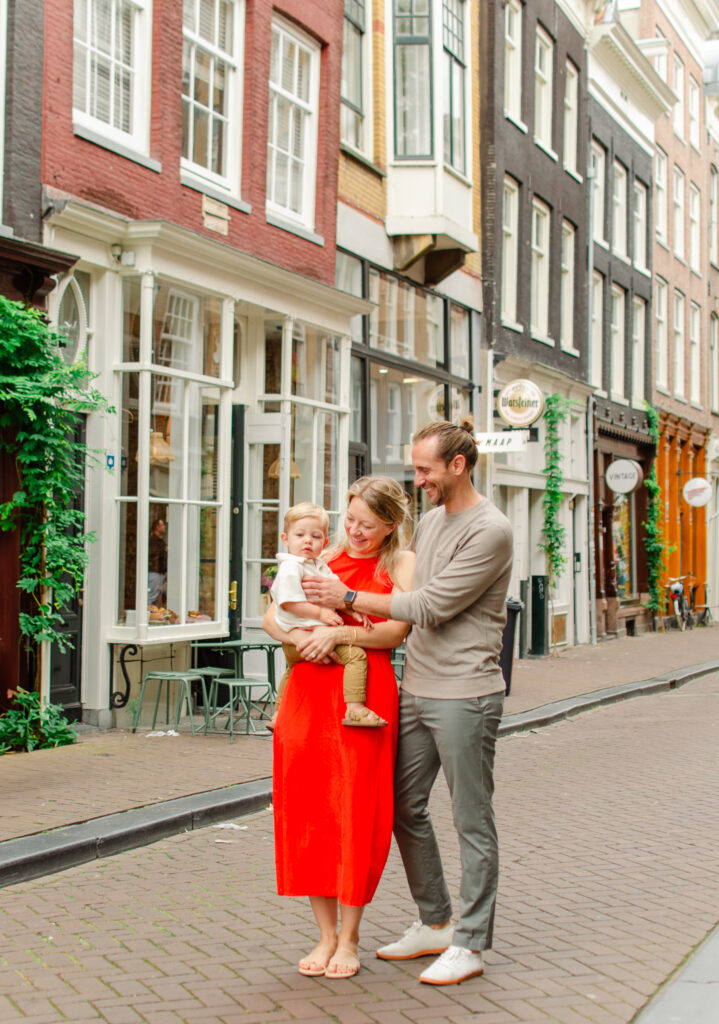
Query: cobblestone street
point(608, 827)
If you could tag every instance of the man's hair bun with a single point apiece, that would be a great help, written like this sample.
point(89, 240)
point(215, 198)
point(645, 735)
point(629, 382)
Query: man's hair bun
point(467, 423)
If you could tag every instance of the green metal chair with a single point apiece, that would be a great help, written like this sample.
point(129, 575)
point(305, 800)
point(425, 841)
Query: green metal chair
point(165, 678)
point(245, 696)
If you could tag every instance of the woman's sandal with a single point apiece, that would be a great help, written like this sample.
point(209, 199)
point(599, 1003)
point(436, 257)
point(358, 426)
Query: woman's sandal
point(352, 968)
point(311, 966)
point(365, 718)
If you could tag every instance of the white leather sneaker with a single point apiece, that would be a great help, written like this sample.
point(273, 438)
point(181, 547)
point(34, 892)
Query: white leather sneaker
point(418, 940)
point(454, 965)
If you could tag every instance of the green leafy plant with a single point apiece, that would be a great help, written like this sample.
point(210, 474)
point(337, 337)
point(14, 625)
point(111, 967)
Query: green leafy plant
point(552, 539)
point(30, 726)
point(654, 526)
point(41, 400)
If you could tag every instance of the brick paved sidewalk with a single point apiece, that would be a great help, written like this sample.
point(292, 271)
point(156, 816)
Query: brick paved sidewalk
point(116, 770)
point(607, 825)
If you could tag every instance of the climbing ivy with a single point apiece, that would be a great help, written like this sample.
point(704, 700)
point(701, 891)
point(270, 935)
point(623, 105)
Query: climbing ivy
point(552, 539)
point(653, 526)
point(41, 400)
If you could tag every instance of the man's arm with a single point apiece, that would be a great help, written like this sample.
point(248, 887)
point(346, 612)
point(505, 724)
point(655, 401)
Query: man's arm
point(307, 610)
point(471, 571)
point(331, 593)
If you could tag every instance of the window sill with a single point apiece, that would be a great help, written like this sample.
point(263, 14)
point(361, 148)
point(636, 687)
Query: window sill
point(547, 149)
point(459, 175)
point(619, 399)
point(697, 273)
point(680, 137)
point(622, 256)
point(278, 221)
point(512, 325)
point(517, 122)
point(544, 339)
point(663, 390)
point(197, 184)
point(645, 271)
point(680, 398)
point(113, 146)
point(570, 350)
point(680, 257)
point(663, 243)
point(697, 406)
point(362, 158)
point(602, 243)
point(574, 174)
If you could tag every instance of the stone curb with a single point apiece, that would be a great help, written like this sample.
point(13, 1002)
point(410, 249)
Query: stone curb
point(47, 852)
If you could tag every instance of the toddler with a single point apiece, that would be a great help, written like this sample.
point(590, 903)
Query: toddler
point(305, 537)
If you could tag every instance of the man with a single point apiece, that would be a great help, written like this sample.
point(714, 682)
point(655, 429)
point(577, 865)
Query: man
point(451, 700)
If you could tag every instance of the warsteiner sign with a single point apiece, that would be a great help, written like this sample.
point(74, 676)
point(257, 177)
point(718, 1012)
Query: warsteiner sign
point(520, 403)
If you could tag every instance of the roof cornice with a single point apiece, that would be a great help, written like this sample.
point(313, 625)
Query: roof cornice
point(612, 46)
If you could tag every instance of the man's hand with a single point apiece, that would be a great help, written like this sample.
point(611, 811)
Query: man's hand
point(328, 593)
point(330, 617)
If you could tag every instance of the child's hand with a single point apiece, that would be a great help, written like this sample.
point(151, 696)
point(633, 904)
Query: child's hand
point(330, 617)
point(362, 619)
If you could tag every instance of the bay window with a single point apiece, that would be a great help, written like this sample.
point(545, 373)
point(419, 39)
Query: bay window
point(413, 78)
point(175, 421)
point(454, 70)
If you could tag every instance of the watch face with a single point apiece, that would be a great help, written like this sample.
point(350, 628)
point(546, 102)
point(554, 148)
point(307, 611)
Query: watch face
point(350, 596)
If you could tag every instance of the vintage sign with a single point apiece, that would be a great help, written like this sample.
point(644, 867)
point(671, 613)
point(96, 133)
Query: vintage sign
point(623, 476)
point(697, 491)
point(520, 403)
point(502, 441)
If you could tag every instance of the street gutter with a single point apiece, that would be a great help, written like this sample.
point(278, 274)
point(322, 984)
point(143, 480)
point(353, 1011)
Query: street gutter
point(44, 853)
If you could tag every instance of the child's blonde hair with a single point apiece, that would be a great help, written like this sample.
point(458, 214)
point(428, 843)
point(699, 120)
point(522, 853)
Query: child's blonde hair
point(306, 510)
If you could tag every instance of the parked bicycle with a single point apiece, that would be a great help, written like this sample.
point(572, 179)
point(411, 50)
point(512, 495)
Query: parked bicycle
point(679, 603)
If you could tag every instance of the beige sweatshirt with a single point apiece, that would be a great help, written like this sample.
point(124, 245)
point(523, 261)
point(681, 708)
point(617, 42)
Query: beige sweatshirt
point(457, 607)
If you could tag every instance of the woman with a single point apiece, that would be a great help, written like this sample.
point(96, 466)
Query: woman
point(333, 785)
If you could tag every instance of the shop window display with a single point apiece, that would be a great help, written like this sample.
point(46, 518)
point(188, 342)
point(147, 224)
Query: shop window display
point(169, 488)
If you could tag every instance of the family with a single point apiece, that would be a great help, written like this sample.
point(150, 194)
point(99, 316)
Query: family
point(353, 758)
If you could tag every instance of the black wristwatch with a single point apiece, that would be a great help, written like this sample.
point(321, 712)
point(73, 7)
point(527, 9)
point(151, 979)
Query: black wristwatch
point(350, 598)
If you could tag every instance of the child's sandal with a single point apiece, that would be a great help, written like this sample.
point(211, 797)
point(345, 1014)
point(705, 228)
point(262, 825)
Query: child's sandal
point(365, 718)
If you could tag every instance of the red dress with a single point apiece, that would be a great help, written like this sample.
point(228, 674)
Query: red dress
point(332, 796)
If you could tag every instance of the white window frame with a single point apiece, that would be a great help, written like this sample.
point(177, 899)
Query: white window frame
point(618, 339)
point(513, 22)
point(543, 88)
point(661, 292)
point(660, 195)
point(357, 16)
point(695, 316)
point(308, 111)
point(639, 320)
point(678, 187)
point(597, 355)
point(137, 138)
point(679, 330)
point(194, 43)
point(619, 209)
point(714, 361)
point(510, 249)
point(660, 61)
point(567, 285)
point(694, 228)
point(541, 245)
point(599, 184)
point(571, 117)
point(713, 212)
point(694, 112)
point(455, 56)
point(413, 108)
point(639, 213)
point(679, 117)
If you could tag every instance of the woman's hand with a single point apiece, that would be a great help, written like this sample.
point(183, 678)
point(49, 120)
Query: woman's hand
point(318, 645)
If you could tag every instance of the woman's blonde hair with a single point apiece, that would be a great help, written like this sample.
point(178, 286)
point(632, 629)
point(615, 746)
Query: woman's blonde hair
point(388, 500)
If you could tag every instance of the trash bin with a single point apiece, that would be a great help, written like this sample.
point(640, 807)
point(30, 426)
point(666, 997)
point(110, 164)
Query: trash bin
point(506, 655)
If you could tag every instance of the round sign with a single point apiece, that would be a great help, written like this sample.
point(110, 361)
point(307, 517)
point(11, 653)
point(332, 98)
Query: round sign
point(520, 403)
point(697, 491)
point(623, 476)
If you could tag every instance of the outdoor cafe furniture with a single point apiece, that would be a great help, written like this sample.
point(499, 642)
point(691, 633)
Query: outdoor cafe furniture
point(165, 678)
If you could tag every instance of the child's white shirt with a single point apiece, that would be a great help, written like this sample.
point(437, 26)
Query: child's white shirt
point(287, 586)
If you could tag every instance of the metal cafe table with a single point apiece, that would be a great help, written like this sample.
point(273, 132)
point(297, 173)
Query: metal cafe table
point(245, 693)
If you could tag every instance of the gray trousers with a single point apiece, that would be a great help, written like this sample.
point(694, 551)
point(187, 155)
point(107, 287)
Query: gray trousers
point(460, 735)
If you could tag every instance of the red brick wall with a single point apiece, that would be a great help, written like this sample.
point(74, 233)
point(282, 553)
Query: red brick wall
point(87, 171)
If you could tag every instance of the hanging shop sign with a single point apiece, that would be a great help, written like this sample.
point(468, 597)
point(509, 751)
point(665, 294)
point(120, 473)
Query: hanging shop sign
point(520, 403)
point(502, 441)
point(623, 476)
point(697, 491)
